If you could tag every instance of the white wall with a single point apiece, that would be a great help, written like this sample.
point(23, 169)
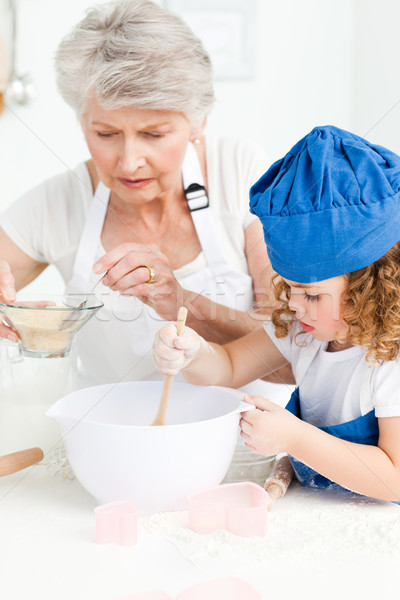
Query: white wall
point(42, 138)
point(377, 101)
point(305, 77)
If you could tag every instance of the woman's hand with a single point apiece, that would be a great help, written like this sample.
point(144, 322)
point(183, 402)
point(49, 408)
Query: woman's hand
point(270, 429)
point(171, 352)
point(128, 273)
point(7, 283)
point(7, 295)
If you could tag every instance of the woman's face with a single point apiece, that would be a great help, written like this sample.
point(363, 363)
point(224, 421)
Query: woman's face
point(138, 153)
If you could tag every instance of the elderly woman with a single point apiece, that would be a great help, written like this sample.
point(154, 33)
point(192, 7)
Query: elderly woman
point(159, 208)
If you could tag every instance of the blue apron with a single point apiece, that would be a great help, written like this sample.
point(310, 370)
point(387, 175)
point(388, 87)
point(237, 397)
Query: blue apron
point(362, 430)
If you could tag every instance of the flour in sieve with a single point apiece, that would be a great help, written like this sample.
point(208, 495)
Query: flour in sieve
point(39, 329)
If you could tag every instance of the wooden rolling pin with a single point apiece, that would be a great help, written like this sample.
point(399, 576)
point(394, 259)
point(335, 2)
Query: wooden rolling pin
point(278, 482)
point(11, 463)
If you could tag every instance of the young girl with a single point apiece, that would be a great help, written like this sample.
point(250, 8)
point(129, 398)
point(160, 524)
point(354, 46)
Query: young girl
point(331, 216)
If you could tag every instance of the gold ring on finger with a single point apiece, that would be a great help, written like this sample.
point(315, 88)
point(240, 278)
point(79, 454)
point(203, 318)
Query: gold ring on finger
point(152, 274)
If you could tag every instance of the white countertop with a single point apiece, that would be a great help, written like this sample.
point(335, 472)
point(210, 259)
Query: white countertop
point(318, 543)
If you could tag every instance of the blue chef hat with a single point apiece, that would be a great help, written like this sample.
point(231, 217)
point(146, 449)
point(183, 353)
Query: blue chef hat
point(330, 206)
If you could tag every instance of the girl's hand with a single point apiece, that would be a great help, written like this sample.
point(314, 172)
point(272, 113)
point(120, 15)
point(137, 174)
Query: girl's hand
point(128, 274)
point(270, 429)
point(171, 352)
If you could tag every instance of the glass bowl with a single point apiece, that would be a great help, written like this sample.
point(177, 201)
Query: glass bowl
point(46, 323)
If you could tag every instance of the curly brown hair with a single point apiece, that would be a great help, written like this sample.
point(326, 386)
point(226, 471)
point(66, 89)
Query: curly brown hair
point(370, 307)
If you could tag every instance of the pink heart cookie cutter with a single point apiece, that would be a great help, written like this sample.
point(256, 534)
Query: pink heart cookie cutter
point(240, 508)
point(116, 523)
point(219, 589)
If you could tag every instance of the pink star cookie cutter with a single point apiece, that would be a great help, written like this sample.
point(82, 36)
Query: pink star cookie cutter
point(116, 523)
point(229, 587)
point(148, 596)
point(240, 508)
point(220, 589)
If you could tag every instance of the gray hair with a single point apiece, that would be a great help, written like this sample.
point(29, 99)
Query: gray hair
point(135, 53)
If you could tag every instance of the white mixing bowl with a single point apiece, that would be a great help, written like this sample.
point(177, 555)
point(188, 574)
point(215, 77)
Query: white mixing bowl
point(117, 455)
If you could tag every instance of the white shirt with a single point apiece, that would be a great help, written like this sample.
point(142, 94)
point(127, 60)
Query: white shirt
point(330, 390)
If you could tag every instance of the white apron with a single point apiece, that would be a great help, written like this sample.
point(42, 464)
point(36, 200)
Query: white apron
point(115, 345)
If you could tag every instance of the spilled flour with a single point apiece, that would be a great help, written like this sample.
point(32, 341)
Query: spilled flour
point(306, 523)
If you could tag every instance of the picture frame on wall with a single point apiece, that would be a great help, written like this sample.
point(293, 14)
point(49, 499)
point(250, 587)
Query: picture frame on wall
point(228, 30)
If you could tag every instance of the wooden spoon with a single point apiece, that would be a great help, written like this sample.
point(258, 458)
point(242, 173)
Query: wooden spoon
point(11, 463)
point(162, 409)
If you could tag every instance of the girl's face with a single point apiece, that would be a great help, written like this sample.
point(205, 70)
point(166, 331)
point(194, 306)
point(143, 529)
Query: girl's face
point(138, 153)
point(318, 306)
